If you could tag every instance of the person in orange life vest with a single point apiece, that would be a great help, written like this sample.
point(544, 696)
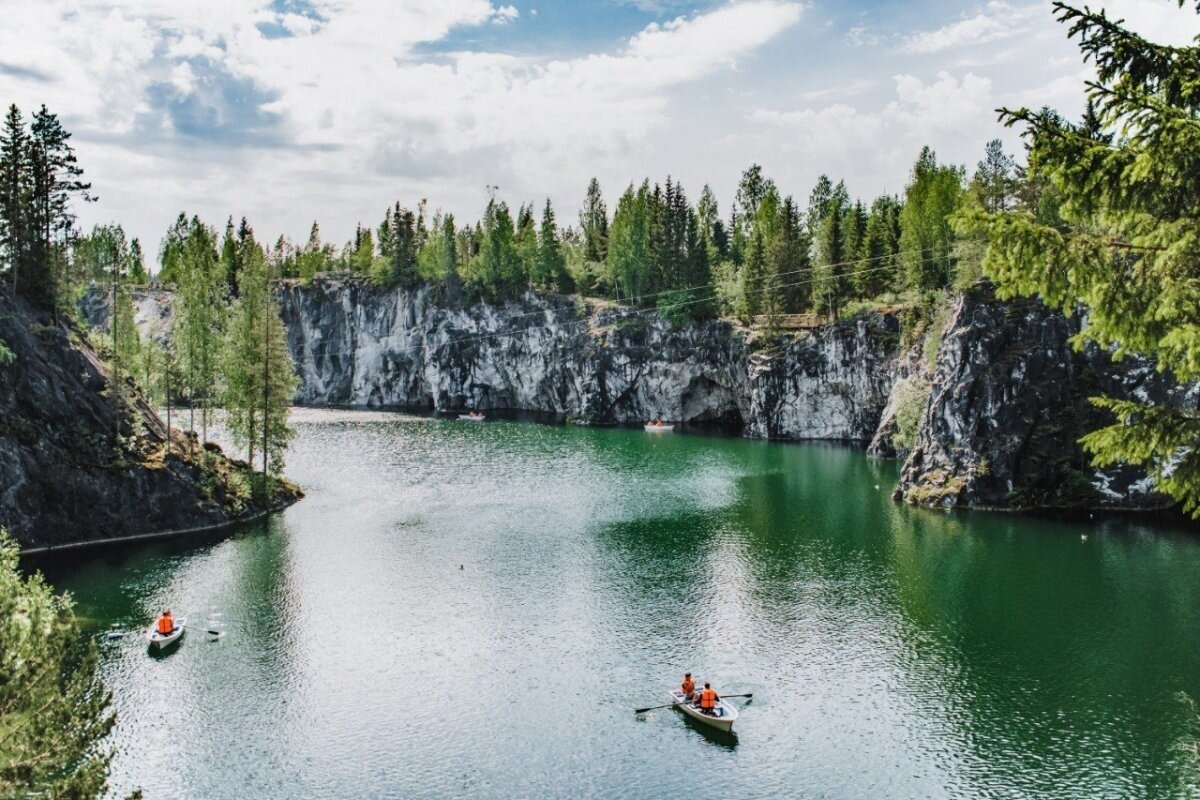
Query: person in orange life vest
point(708, 699)
point(689, 686)
point(166, 623)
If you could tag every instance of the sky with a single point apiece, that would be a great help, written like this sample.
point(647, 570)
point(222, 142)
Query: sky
point(290, 111)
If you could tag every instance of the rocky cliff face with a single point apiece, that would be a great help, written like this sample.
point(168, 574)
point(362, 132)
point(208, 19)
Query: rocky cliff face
point(1000, 410)
point(151, 310)
point(1008, 405)
point(354, 344)
point(65, 476)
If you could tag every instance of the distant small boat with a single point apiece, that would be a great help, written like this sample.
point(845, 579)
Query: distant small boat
point(722, 717)
point(160, 640)
point(472, 417)
point(659, 428)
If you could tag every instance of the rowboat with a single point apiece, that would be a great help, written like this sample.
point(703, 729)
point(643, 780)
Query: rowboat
point(472, 417)
point(722, 718)
point(659, 428)
point(159, 641)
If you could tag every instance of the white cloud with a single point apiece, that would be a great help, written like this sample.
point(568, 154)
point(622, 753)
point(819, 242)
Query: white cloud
point(951, 113)
point(995, 21)
point(229, 106)
point(505, 14)
point(1157, 20)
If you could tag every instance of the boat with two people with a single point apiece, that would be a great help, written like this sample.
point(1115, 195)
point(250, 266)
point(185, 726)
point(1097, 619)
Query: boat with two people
point(705, 706)
point(658, 426)
point(472, 416)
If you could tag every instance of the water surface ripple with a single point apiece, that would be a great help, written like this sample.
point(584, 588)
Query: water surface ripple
point(892, 652)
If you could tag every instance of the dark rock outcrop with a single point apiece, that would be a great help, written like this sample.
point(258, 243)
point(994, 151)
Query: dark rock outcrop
point(1009, 403)
point(64, 475)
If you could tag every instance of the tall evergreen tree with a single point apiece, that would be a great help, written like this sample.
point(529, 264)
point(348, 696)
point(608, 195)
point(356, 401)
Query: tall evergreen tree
point(754, 275)
point(881, 247)
point(1127, 245)
point(552, 265)
point(57, 178)
point(16, 190)
point(593, 222)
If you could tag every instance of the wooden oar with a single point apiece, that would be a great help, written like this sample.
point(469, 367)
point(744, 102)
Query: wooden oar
point(206, 630)
point(668, 705)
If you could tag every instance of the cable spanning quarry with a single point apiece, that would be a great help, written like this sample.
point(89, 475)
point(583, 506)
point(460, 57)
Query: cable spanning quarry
point(621, 315)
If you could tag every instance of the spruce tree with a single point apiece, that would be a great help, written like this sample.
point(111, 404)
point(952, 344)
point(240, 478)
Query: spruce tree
point(16, 189)
point(593, 222)
point(552, 264)
point(1127, 244)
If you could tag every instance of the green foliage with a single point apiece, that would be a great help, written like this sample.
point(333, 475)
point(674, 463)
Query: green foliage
point(678, 307)
point(54, 713)
point(7, 356)
point(593, 222)
point(190, 253)
point(912, 395)
point(1124, 240)
point(39, 177)
point(629, 245)
point(926, 233)
point(260, 379)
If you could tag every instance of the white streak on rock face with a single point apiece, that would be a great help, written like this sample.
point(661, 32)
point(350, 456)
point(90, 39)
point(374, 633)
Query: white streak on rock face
point(357, 345)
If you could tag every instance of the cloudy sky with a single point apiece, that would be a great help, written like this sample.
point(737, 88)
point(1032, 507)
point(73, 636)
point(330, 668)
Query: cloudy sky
point(290, 110)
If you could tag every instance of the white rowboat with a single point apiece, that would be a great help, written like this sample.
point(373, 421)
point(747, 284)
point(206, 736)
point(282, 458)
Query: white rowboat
point(469, 418)
point(660, 428)
point(158, 640)
point(722, 719)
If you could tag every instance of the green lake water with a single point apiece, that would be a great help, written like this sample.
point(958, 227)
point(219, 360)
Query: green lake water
point(892, 652)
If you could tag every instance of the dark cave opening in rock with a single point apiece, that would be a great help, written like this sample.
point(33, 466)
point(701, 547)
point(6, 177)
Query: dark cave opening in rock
point(709, 404)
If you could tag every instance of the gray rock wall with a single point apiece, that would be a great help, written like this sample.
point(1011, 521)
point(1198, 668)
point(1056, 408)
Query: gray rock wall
point(354, 344)
point(1008, 406)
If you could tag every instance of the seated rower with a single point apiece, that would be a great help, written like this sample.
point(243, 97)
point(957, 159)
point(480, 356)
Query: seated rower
point(166, 624)
point(688, 687)
point(708, 699)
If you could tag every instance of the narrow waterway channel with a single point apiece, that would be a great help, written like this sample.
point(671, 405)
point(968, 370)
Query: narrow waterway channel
point(474, 609)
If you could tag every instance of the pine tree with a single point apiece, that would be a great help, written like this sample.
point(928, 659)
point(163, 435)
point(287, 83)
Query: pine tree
point(881, 247)
point(55, 178)
point(552, 264)
point(1127, 246)
point(450, 259)
point(526, 243)
point(754, 275)
point(827, 288)
point(16, 189)
point(137, 264)
point(230, 257)
point(788, 263)
point(593, 222)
